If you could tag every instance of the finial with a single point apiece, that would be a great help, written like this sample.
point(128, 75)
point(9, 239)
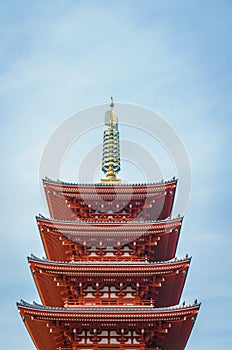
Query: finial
point(111, 147)
point(112, 102)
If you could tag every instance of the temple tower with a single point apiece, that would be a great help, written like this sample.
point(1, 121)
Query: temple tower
point(110, 279)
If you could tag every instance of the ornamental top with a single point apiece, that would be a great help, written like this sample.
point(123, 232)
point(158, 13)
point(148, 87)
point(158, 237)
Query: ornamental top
point(111, 148)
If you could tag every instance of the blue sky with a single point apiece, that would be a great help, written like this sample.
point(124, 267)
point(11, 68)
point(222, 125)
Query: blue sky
point(173, 57)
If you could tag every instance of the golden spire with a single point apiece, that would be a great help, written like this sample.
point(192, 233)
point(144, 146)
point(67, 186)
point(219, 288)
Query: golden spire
point(111, 149)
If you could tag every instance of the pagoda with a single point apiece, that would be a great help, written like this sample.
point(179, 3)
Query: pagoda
point(110, 279)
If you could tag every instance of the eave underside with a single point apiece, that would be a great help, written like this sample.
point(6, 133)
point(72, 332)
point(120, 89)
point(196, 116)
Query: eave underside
point(146, 202)
point(167, 329)
point(161, 284)
point(63, 240)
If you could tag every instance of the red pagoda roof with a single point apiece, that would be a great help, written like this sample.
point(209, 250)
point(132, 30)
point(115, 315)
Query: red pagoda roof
point(62, 328)
point(161, 282)
point(110, 279)
point(109, 201)
point(64, 241)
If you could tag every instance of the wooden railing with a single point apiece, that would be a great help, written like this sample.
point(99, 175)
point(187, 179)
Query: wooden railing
point(113, 302)
point(109, 347)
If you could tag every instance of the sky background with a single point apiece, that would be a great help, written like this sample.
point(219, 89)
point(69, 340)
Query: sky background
point(173, 57)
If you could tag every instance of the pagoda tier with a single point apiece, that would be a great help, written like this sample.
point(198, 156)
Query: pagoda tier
point(105, 202)
point(101, 328)
point(109, 241)
point(73, 284)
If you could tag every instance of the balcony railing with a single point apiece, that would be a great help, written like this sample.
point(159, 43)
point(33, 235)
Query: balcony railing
point(106, 302)
point(109, 347)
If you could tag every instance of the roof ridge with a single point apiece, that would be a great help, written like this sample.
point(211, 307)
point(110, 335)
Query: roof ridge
point(168, 220)
point(133, 308)
point(110, 263)
point(59, 182)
